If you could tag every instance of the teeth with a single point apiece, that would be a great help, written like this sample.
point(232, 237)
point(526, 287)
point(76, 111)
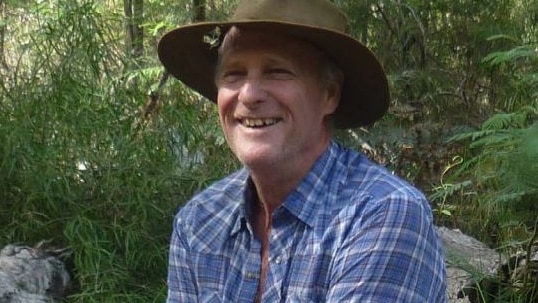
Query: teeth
point(259, 122)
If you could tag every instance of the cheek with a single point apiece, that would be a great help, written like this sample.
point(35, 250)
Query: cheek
point(224, 104)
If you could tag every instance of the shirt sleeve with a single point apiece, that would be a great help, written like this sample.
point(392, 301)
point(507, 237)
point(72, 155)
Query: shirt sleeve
point(391, 253)
point(181, 282)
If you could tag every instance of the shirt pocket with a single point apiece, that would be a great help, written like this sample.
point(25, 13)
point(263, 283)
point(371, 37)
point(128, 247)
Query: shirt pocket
point(209, 297)
point(299, 298)
point(308, 280)
point(210, 271)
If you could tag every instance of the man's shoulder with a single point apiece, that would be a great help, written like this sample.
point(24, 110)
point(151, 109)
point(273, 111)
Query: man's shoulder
point(227, 187)
point(375, 180)
point(372, 191)
point(223, 195)
point(209, 217)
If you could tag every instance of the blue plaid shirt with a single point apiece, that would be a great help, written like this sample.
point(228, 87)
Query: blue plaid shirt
point(350, 232)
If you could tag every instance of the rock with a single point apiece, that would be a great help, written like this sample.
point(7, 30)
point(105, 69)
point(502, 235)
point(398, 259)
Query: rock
point(32, 274)
point(478, 274)
point(467, 260)
point(468, 253)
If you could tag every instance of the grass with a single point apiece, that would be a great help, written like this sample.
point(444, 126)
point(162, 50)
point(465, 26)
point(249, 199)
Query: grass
point(75, 170)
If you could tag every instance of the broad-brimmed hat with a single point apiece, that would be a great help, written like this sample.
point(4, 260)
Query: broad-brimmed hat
point(189, 53)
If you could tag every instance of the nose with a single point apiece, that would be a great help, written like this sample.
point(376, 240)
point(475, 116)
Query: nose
point(252, 92)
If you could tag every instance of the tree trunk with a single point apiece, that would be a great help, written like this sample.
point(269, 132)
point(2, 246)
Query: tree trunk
point(3, 25)
point(199, 10)
point(134, 10)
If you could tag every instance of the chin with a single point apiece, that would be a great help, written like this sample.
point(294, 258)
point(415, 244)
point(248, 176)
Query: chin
point(258, 159)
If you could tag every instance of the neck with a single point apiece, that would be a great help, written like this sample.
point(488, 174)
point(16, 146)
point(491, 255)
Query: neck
point(273, 188)
point(274, 183)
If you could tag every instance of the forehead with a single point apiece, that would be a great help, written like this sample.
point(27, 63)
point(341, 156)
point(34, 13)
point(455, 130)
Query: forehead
point(263, 42)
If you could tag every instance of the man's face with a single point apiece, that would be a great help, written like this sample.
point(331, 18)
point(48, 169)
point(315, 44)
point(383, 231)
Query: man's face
point(272, 99)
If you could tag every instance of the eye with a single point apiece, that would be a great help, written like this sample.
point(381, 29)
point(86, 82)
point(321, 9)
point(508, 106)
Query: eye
point(231, 75)
point(279, 73)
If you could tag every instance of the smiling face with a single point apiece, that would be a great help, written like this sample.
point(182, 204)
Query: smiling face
point(273, 101)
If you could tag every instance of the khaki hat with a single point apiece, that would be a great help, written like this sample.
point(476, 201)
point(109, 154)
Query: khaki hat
point(189, 53)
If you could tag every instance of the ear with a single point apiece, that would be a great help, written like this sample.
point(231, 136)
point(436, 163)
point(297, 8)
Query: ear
point(332, 97)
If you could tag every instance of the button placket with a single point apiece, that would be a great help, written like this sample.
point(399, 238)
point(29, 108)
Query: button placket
point(250, 275)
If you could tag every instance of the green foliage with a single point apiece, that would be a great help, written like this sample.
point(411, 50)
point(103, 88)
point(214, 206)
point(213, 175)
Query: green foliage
point(497, 182)
point(81, 167)
point(508, 154)
point(83, 163)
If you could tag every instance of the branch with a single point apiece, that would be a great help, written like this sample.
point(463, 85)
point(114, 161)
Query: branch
point(380, 10)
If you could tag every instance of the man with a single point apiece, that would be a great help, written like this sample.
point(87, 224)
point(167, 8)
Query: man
point(306, 220)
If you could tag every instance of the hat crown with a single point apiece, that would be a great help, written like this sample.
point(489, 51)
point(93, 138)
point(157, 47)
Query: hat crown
point(315, 13)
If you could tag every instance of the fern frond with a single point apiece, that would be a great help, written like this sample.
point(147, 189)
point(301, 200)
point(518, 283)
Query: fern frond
point(530, 110)
point(503, 36)
point(470, 135)
point(508, 197)
point(498, 140)
point(506, 120)
point(465, 167)
point(448, 190)
point(516, 53)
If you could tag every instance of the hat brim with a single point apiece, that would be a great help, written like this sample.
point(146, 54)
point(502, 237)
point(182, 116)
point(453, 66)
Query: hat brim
point(365, 93)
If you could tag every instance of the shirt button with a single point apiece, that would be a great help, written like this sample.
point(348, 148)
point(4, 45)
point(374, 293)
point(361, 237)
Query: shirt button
point(278, 260)
point(251, 275)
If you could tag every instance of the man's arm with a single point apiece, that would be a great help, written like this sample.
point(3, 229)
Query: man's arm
point(391, 254)
point(181, 286)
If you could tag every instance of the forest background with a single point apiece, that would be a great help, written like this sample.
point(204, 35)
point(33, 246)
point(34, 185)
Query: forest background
point(99, 147)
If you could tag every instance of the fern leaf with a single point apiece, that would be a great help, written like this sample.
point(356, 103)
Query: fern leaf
point(516, 53)
point(505, 120)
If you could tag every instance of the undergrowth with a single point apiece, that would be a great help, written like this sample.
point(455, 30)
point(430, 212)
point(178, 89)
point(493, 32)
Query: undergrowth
point(80, 167)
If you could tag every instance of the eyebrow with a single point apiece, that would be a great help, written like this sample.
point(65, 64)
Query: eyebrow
point(268, 59)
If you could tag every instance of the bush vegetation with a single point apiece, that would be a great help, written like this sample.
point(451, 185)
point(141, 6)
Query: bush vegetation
point(98, 149)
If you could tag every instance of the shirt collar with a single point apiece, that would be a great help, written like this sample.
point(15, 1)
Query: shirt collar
point(306, 202)
point(309, 199)
point(243, 196)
